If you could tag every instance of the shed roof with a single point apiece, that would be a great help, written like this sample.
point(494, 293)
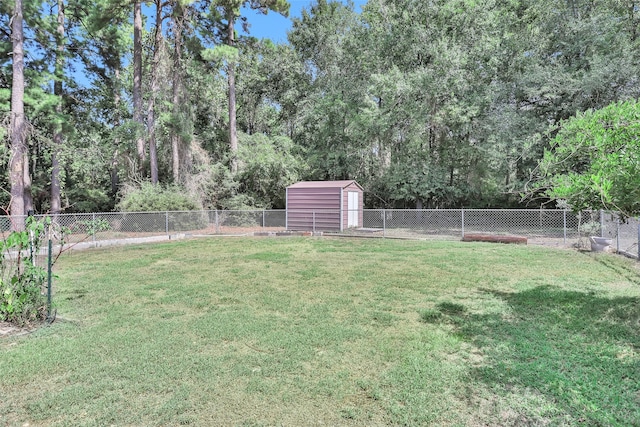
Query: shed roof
point(325, 184)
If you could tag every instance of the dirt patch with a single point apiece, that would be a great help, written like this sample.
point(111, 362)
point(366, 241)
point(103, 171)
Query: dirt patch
point(9, 330)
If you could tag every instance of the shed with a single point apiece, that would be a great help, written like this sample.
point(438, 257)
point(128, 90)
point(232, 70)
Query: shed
point(324, 205)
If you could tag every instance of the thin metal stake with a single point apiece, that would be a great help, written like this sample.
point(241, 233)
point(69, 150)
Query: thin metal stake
point(49, 278)
point(564, 217)
point(618, 233)
point(31, 239)
point(384, 223)
point(638, 241)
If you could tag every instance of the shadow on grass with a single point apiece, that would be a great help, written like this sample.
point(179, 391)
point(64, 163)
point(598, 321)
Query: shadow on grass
point(576, 355)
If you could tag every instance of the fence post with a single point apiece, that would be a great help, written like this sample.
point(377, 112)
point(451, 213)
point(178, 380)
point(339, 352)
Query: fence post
point(93, 225)
point(31, 237)
point(384, 223)
point(601, 223)
point(618, 233)
point(49, 278)
point(263, 216)
point(540, 220)
point(638, 241)
point(166, 222)
point(462, 221)
point(564, 219)
point(217, 223)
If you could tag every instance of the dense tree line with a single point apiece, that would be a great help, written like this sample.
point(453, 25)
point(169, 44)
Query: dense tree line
point(445, 103)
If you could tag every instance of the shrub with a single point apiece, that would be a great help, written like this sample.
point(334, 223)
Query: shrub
point(594, 160)
point(21, 282)
point(152, 198)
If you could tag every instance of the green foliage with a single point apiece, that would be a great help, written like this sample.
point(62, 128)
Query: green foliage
point(5, 194)
point(267, 167)
point(594, 161)
point(90, 227)
point(150, 198)
point(590, 228)
point(214, 186)
point(407, 97)
point(21, 281)
point(221, 54)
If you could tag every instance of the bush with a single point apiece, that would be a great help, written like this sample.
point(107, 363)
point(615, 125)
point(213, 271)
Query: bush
point(267, 165)
point(21, 282)
point(213, 186)
point(594, 160)
point(152, 198)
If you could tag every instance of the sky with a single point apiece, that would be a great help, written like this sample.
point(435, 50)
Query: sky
point(275, 26)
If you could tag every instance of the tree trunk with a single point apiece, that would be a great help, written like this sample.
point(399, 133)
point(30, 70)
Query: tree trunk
point(633, 31)
point(18, 129)
point(115, 180)
point(178, 22)
point(28, 198)
point(233, 135)
point(137, 83)
point(151, 119)
point(175, 156)
point(56, 204)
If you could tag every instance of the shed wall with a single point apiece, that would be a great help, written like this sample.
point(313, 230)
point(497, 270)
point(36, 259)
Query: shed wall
point(304, 205)
point(323, 205)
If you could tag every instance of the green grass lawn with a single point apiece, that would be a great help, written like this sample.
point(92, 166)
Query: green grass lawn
point(302, 331)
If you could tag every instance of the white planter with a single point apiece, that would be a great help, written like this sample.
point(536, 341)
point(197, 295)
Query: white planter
point(600, 244)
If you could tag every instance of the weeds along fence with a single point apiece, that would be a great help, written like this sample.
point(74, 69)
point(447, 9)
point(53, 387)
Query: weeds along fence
point(540, 226)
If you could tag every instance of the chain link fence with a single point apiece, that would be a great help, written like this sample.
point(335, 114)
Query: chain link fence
point(541, 226)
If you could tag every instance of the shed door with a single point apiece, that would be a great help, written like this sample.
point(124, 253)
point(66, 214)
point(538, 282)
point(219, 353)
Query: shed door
point(352, 202)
